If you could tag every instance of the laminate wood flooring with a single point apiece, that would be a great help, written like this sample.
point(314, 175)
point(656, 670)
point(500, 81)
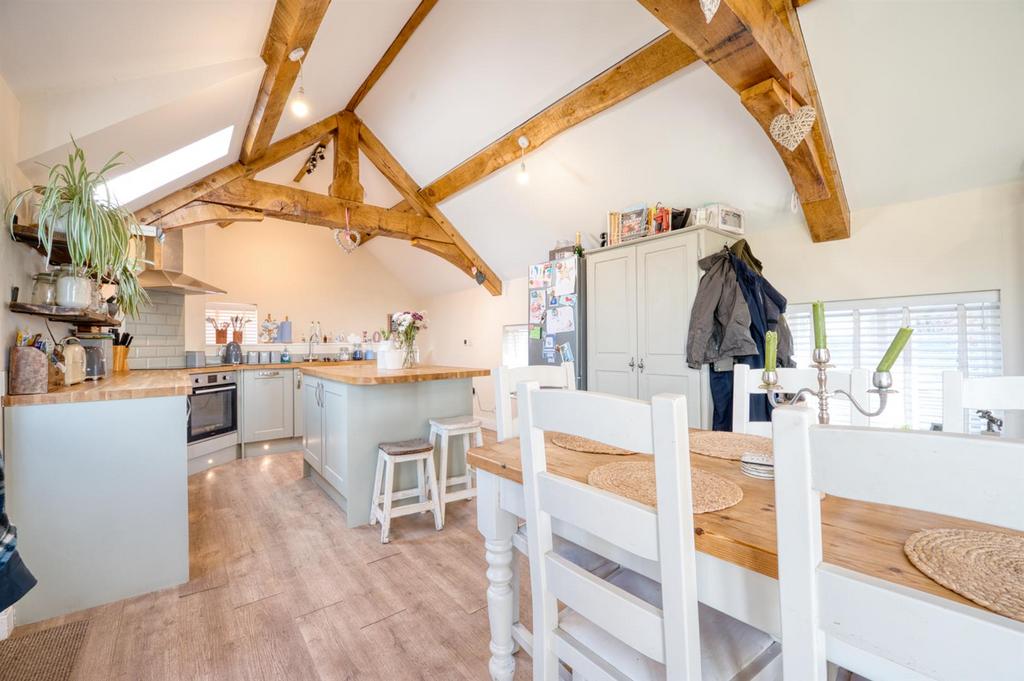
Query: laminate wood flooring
point(280, 589)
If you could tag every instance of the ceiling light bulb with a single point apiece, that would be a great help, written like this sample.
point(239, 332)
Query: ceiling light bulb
point(523, 177)
point(299, 106)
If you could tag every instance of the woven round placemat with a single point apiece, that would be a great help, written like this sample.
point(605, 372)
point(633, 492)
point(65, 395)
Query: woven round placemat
point(985, 567)
point(724, 445)
point(582, 444)
point(635, 480)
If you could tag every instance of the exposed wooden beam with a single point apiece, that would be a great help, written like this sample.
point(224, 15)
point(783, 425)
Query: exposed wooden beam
point(277, 152)
point(767, 100)
point(747, 44)
point(298, 205)
point(418, 15)
point(449, 252)
point(346, 159)
point(648, 65)
point(293, 25)
point(203, 213)
point(389, 166)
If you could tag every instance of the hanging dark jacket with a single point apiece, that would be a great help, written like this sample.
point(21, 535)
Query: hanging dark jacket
point(720, 318)
point(15, 579)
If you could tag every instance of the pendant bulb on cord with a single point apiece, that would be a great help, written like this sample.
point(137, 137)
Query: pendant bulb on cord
point(523, 177)
point(299, 105)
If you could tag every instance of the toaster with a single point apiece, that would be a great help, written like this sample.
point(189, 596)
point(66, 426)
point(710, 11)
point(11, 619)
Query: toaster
point(97, 365)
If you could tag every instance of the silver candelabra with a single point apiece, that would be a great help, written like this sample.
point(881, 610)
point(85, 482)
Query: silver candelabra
point(882, 380)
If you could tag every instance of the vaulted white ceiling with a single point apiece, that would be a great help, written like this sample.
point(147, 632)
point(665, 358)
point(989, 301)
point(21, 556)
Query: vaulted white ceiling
point(922, 98)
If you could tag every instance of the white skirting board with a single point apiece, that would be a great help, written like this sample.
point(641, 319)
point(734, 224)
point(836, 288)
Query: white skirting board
point(6, 622)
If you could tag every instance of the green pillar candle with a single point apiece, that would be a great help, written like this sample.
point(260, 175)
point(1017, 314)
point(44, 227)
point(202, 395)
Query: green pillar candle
point(895, 348)
point(818, 314)
point(771, 348)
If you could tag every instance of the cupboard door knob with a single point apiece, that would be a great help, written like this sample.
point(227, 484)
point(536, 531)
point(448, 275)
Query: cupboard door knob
point(641, 366)
point(632, 363)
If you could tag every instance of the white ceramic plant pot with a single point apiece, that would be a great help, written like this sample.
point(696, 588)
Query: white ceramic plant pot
point(389, 358)
point(74, 292)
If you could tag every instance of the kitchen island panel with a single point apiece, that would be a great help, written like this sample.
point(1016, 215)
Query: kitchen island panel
point(99, 494)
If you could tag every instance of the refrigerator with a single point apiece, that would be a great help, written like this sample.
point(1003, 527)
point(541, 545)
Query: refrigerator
point(557, 315)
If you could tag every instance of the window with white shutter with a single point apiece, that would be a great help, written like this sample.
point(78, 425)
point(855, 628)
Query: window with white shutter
point(515, 345)
point(959, 331)
point(224, 313)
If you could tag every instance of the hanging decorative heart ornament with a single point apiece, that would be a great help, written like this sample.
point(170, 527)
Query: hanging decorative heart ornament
point(790, 129)
point(709, 7)
point(347, 239)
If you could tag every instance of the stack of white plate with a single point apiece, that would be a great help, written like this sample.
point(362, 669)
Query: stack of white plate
point(758, 466)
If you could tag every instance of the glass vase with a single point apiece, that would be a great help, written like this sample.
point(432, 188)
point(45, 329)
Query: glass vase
point(411, 355)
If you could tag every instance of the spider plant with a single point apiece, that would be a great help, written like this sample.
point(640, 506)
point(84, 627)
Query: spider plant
point(99, 233)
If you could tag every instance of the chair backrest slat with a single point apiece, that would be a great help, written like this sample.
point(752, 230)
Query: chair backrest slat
point(664, 535)
point(617, 520)
point(976, 478)
point(506, 379)
point(993, 392)
point(747, 382)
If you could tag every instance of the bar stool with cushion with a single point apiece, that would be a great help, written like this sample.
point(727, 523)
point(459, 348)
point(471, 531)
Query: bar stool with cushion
point(389, 455)
point(445, 429)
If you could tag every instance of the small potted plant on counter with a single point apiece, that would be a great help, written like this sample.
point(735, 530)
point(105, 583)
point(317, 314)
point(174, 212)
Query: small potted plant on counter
point(103, 238)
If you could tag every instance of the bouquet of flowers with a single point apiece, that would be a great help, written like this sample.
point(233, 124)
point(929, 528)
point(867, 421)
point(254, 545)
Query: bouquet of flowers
point(406, 325)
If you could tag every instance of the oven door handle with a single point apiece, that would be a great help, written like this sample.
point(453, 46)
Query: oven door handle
point(220, 389)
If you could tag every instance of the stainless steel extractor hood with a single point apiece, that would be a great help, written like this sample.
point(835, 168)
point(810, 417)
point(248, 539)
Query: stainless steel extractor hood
point(167, 256)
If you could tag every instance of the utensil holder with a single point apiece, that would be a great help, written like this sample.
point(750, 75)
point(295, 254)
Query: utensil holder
point(29, 371)
point(120, 358)
point(221, 336)
point(236, 336)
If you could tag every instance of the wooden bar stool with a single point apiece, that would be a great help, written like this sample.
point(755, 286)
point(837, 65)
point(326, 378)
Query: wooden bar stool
point(389, 454)
point(445, 429)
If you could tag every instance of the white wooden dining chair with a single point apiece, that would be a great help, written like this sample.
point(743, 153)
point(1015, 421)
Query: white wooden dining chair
point(959, 393)
point(624, 626)
point(870, 626)
point(747, 382)
point(507, 378)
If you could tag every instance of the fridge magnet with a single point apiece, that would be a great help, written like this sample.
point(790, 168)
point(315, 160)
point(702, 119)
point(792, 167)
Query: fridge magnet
point(534, 332)
point(552, 297)
point(565, 276)
point(537, 279)
point(549, 356)
point(549, 342)
point(567, 300)
point(560, 320)
point(536, 306)
point(565, 350)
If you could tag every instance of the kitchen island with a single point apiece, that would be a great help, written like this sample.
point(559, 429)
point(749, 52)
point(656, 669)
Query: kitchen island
point(349, 410)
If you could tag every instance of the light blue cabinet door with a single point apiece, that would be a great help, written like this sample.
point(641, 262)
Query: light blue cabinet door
point(335, 443)
point(312, 414)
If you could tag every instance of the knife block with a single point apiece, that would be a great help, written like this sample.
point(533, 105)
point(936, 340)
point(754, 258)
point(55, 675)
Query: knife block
point(29, 371)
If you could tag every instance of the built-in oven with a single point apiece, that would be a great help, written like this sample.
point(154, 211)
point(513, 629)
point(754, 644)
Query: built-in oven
point(212, 406)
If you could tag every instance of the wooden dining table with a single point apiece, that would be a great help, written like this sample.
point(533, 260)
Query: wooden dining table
point(737, 554)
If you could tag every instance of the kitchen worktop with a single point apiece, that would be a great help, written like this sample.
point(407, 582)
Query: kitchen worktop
point(142, 383)
point(369, 374)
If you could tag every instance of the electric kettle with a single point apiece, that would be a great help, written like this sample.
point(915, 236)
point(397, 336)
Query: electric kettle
point(232, 353)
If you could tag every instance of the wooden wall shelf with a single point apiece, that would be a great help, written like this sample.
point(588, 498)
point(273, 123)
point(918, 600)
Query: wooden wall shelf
point(27, 234)
point(65, 314)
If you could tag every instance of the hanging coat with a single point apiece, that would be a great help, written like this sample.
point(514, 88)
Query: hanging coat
point(719, 319)
point(15, 579)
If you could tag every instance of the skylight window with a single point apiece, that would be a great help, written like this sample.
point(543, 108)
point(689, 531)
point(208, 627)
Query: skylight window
point(155, 174)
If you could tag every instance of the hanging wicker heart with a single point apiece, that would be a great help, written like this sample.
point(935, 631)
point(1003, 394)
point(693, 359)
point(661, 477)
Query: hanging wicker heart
point(709, 7)
point(347, 239)
point(789, 130)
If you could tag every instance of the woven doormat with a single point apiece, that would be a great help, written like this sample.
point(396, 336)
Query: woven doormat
point(985, 567)
point(635, 480)
point(47, 655)
point(724, 445)
point(582, 444)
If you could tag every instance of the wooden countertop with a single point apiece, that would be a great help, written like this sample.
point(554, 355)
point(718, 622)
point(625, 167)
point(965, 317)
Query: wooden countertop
point(129, 385)
point(139, 384)
point(369, 374)
point(866, 538)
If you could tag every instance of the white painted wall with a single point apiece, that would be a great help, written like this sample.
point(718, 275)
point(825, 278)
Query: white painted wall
point(296, 270)
point(968, 241)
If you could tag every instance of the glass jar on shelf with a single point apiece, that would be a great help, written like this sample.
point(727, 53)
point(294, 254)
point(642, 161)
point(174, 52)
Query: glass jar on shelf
point(44, 288)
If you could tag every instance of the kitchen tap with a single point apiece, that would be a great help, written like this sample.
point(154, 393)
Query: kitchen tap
point(314, 339)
